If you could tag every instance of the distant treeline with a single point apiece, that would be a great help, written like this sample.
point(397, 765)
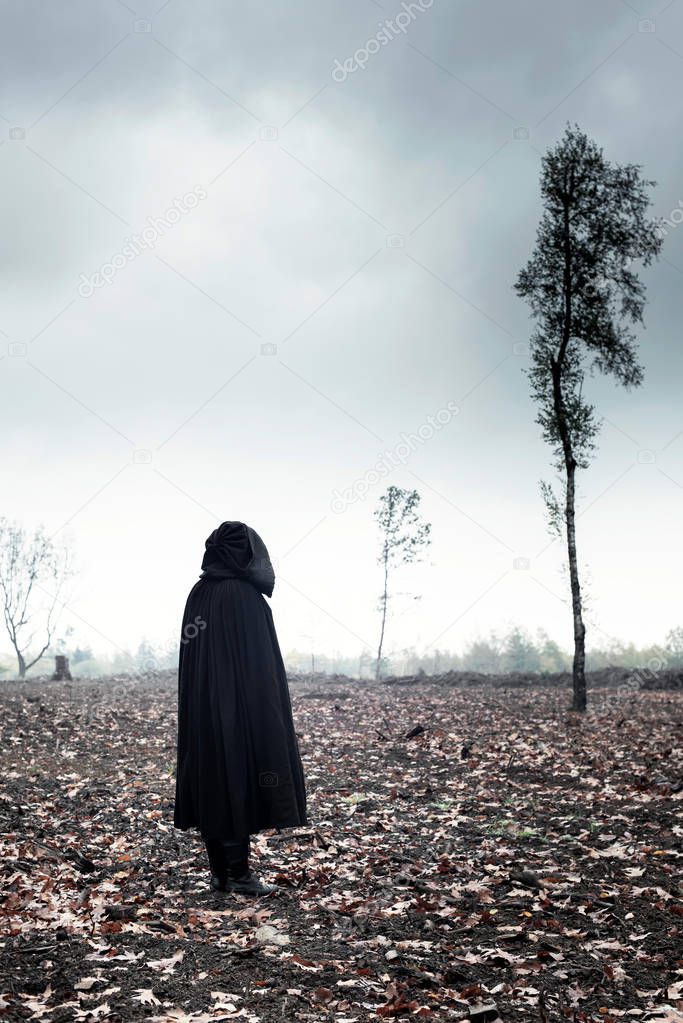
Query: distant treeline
point(514, 650)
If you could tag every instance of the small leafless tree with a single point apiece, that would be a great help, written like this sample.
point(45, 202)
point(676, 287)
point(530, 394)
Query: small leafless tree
point(404, 538)
point(33, 574)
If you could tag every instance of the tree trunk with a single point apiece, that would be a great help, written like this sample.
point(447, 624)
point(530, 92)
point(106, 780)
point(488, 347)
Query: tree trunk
point(61, 672)
point(578, 668)
point(378, 666)
point(22, 664)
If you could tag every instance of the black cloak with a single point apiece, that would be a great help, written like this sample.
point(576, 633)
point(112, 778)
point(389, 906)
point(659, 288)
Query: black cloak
point(238, 765)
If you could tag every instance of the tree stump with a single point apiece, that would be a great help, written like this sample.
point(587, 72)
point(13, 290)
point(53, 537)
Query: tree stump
point(62, 673)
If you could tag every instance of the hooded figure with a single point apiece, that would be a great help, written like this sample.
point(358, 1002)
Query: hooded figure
point(238, 765)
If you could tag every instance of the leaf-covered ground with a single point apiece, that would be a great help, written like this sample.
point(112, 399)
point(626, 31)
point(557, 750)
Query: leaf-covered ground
point(471, 852)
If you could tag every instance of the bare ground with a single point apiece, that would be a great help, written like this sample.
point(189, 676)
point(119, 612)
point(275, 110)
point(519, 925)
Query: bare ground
point(507, 854)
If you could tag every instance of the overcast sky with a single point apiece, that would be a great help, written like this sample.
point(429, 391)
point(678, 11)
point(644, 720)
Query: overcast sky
point(343, 222)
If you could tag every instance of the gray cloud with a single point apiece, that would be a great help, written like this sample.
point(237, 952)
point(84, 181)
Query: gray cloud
point(371, 230)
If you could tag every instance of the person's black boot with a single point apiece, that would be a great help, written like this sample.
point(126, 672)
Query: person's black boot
point(215, 852)
point(246, 883)
point(229, 863)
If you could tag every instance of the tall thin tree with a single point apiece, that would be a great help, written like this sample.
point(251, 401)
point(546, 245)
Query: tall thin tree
point(584, 295)
point(404, 537)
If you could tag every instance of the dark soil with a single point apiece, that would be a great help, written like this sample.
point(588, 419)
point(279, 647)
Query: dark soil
point(509, 852)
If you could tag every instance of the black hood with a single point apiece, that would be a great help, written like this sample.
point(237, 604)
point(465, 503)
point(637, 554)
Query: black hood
point(236, 551)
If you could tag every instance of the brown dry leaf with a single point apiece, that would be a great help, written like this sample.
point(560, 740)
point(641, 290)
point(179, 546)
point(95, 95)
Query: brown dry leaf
point(167, 965)
point(85, 983)
point(146, 996)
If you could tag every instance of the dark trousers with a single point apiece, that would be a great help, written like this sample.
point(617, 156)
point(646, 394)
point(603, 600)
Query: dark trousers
point(228, 857)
